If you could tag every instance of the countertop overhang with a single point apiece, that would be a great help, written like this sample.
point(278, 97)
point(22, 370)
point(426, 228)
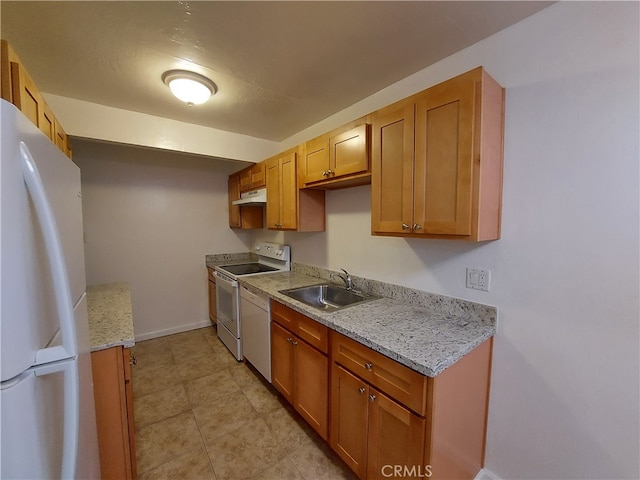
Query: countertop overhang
point(110, 316)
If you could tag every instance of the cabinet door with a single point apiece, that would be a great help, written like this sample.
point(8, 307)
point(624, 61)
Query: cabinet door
point(311, 386)
point(128, 360)
point(282, 361)
point(282, 192)
point(48, 125)
point(288, 192)
point(444, 158)
point(348, 152)
point(245, 180)
point(315, 160)
point(396, 437)
point(273, 193)
point(252, 177)
point(392, 169)
point(114, 412)
point(25, 94)
point(258, 175)
point(349, 419)
point(60, 136)
point(234, 194)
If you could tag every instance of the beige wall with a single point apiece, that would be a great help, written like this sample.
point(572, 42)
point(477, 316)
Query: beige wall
point(150, 217)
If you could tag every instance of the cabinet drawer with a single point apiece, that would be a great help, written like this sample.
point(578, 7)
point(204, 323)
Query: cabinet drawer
point(399, 382)
point(312, 332)
point(284, 315)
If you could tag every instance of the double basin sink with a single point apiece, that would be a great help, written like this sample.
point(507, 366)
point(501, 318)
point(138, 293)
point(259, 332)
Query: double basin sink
point(327, 297)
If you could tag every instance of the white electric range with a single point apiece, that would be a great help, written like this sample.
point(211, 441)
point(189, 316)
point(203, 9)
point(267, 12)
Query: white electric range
point(272, 257)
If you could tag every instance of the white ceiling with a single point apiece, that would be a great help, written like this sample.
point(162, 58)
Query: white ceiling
point(279, 66)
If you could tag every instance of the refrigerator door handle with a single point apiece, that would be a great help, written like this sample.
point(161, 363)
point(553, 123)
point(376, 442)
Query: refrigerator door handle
point(53, 247)
point(71, 413)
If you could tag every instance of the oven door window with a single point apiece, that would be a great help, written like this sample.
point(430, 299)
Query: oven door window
point(227, 305)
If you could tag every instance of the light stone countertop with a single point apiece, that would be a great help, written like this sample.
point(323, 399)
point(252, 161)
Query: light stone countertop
point(110, 318)
point(426, 335)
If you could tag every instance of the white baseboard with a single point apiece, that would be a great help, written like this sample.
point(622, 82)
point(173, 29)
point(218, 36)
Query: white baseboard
point(485, 474)
point(172, 330)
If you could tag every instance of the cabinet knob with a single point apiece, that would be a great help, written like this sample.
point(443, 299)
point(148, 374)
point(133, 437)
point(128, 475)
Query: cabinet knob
point(362, 390)
point(416, 226)
point(133, 360)
point(289, 339)
point(368, 365)
point(372, 397)
point(324, 174)
point(294, 343)
point(405, 226)
point(330, 172)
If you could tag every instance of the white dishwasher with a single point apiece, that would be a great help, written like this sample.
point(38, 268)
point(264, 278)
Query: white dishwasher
point(255, 324)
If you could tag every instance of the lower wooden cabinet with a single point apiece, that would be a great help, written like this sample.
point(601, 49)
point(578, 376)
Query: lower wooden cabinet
point(385, 416)
point(113, 395)
point(381, 417)
point(301, 373)
point(369, 430)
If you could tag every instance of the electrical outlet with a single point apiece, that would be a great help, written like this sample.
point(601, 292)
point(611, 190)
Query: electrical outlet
point(478, 279)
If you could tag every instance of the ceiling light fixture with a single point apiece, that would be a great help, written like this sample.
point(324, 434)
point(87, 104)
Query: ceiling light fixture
point(190, 87)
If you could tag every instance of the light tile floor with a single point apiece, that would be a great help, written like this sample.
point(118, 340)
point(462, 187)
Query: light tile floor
point(201, 415)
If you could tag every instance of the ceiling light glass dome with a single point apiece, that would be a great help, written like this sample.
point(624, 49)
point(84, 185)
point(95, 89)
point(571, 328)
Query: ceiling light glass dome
point(189, 87)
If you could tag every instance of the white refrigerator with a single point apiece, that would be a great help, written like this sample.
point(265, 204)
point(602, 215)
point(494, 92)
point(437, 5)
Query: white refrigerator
point(47, 412)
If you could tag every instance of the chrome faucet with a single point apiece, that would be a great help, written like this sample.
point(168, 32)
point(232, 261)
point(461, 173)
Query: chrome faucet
point(346, 278)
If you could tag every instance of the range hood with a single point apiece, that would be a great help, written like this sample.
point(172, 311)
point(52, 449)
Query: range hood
point(253, 197)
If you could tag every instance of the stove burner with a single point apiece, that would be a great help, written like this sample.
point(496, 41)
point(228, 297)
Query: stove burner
point(247, 268)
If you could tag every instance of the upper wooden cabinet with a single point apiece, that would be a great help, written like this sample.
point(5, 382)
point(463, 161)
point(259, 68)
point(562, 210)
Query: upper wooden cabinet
point(437, 161)
point(338, 159)
point(253, 177)
point(19, 89)
point(247, 216)
point(287, 207)
point(281, 192)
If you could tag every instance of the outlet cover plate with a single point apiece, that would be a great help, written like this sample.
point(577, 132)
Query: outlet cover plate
point(478, 279)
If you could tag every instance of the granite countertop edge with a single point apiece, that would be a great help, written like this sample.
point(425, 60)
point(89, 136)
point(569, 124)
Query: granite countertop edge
point(421, 339)
point(110, 316)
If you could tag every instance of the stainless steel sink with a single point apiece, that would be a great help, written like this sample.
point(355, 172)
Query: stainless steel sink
point(327, 296)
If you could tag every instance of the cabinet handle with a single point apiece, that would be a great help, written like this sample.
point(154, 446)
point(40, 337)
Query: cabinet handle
point(330, 172)
point(405, 226)
point(133, 360)
point(324, 174)
point(361, 390)
point(278, 225)
point(368, 365)
point(289, 339)
point(294, 343)
point(372, 397)
point(416, 226)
